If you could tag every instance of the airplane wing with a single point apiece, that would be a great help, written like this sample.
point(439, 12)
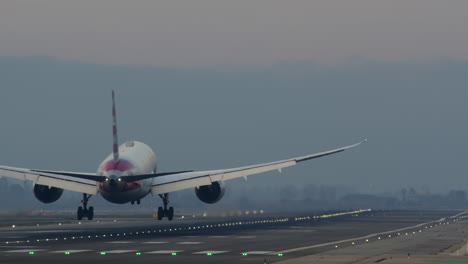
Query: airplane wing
point(180, 181)
point(83, 184)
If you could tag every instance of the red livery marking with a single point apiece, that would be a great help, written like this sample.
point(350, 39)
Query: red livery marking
point(131, 186)
point(119, 165)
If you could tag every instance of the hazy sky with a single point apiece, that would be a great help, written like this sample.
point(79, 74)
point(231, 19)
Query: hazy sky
point(219, 84)
point(212, 33)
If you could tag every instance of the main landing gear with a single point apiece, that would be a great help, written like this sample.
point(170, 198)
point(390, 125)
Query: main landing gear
point(85, 211)
point(164, 212)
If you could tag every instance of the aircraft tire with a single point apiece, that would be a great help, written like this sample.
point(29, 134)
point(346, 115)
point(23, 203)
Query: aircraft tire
point(79, 213)
point(170, 213)
point(90, 213)
point(160, 213)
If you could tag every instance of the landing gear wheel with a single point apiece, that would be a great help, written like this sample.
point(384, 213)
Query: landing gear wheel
point(79, 213)
point(90, 213)
point(84, 211)
point(163, 211)
point(170, 214)
point(160, 213)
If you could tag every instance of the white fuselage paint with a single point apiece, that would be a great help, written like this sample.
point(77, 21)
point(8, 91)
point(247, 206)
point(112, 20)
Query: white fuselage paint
point(135, 158)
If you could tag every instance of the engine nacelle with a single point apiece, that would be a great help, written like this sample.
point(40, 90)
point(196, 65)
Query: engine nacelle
point(47, 195)
point(210, 193)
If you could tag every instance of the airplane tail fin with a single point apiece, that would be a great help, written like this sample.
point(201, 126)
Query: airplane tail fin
point(114, 130)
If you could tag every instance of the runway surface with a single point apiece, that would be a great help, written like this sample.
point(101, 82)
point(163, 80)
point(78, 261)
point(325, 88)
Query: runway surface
point(250, 239)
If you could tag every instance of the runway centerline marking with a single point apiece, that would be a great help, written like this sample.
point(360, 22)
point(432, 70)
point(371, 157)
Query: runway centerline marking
point(71, 251)
point(24, 250)
point(155, 242)
point(209, 251)
point(163, 251)
point(189, 243)
point(245, 237)
point(118, 251)
point(258, 252)
point(16, 246)
point(120, 242)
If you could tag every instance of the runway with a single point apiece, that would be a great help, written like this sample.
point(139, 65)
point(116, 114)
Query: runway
point(254, 239)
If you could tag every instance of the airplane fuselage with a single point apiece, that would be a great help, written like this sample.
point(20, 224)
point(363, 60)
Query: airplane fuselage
point(135, 158)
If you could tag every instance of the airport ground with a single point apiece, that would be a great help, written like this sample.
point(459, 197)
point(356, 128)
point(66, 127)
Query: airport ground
point(315, 237)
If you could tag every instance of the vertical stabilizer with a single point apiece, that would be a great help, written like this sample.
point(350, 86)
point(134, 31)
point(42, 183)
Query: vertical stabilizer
point(114, 130)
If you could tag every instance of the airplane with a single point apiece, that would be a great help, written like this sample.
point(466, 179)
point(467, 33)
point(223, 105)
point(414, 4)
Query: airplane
point(129, 174)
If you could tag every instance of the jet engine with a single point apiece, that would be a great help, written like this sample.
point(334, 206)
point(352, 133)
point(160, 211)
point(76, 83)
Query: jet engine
point(47, 195)
point(210, 193)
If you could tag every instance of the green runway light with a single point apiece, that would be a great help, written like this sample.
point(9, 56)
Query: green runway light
point(280, 254)
point(103, 253)
point(31, 252)
point(174, 254)
point(67, 253)
point(138, 253)
point(244, 254)
point(209, 254)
